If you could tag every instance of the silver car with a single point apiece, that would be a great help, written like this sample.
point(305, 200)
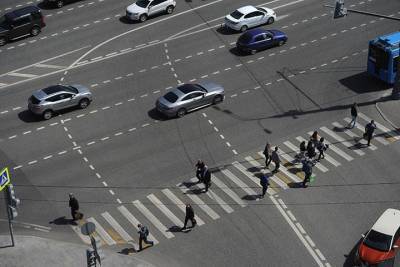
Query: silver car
point(189, 97)
point(54, 98)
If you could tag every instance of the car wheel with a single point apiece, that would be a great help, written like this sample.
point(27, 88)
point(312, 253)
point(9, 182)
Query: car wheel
point(47, 114)
point(170, 9)
point(270, 20)
point(244, 28)
point(35, 31)
point(143, 17)
point(84, 103)
point(281, 43)
point(217, 99)
point(3, 41)
point(60, 4)
point(181, 112)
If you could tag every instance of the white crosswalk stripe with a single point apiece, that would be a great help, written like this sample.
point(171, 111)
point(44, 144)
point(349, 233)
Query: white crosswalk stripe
point(163, 208)
point(351, 134)
point(384, 129)
point(343, 141)
point(228, 191)
point(132, 219)
point(278, 181)
point(327, 157)
point(174, 199)
point(211, 194)
point(117, 227)
point(362, 128)
point(250, 175)
point(101, 232)
point(77, 230)
point(239, 183)
point(337, 150)
point(199, 202)
point(285, 171)
point(153, 219)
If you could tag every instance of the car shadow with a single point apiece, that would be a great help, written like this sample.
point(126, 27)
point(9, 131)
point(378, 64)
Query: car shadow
point(351, 257)
point(156, 115)
point(237, 52)
point(226, 31)
point(125, 20)
point(46, 6)
point(27, 116)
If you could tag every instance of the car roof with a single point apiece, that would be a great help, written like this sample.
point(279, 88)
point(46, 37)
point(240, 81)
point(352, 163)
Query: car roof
point(388, 223)
point(247, 9)
point(22, 11)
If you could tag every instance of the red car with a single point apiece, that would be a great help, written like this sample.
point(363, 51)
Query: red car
point(380, 244)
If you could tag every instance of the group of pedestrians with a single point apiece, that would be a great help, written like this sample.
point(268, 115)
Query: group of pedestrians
point(272, 155)
point(203, 174)
point(369, 128)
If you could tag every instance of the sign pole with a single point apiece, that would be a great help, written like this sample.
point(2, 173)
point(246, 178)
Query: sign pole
point(6, 197)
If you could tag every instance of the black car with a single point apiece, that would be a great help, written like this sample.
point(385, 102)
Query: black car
point(21, 22)
point(59, 3)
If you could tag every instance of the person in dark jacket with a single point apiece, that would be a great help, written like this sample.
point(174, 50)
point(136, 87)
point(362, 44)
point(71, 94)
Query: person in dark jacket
point(143, 234)
point(206, 176)
point(275, 158)
point(189, 216)
point(199, 169)
point(354, 114)
point(369, 131)
point(267, 154)
point(74, 205)
point(307, 168)
point(264, 183)
point(321, 146)
point(310, 149)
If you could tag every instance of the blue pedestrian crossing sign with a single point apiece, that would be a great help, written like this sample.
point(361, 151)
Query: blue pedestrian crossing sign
point(4, 178)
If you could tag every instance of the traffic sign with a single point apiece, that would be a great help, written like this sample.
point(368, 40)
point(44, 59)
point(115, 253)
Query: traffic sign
point(4, 178)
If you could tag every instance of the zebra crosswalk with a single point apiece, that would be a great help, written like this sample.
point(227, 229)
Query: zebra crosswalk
point(234, 186)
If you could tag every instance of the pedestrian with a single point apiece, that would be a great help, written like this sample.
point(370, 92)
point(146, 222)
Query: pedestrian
point(267, 154)
point(311, 149)
point(302, 150)
point(314, 137)
point(143, 234)
point(74, 205)
point(264, 182)
point(307, 168)
point(275, 158)
point(206, 177)
point(189, 216)
point(354, 114)
point(321, 146)
point(199, 169)
point(369, 131)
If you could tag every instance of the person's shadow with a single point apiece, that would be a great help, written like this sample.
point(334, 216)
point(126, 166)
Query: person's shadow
point(63, 221)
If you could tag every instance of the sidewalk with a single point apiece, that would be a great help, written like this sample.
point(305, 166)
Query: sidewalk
point(391, 112)
point(34, 251)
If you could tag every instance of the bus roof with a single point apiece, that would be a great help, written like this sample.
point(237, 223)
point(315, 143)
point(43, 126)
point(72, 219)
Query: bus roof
point(392, 39)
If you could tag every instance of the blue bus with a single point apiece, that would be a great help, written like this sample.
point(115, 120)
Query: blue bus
point(383, 56)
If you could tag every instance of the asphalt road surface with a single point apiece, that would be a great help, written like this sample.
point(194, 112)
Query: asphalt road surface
point(126, 163)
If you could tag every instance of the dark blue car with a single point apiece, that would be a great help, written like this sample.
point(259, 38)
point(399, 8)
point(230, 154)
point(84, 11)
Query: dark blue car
point(259, 39)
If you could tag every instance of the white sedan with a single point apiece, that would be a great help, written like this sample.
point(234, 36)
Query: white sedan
point(249, 16)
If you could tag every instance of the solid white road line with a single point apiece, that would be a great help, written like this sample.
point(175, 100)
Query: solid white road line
point(153, 219)
point(211, 194)
point(180, 204)
point(117, 227)
point(340, 139)
point(228, 191)
point(327, 157)
point(101, 232)
point(278, 181)
point(23, 75)
point(380, 126)
point(299, 235)
point(126, 213)
point(239, 182)
point(39, 65)
point(163, 208)
point(362, 129)
point(351, 134)
point(251, 176)
point(285, 171)
point(336, 149)
point(199, 202)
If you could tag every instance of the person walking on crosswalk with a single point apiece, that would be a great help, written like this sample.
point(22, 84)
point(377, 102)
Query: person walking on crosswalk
point(143, 234)
point(369, 131)
point(307, 168)
point(189, 216)
point(267, 154)
point(206, 177)
point(321, 146)
point(264, 182)
point(354, 114)
point(311, 148)
point(199, 170)
point(275, 158)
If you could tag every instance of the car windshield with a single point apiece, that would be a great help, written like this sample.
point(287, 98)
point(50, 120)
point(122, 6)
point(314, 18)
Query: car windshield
point(71, 89)
point(143, 3)
point(260, 9)
point(378, 241)
point(171, 97)
point(236, 14)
